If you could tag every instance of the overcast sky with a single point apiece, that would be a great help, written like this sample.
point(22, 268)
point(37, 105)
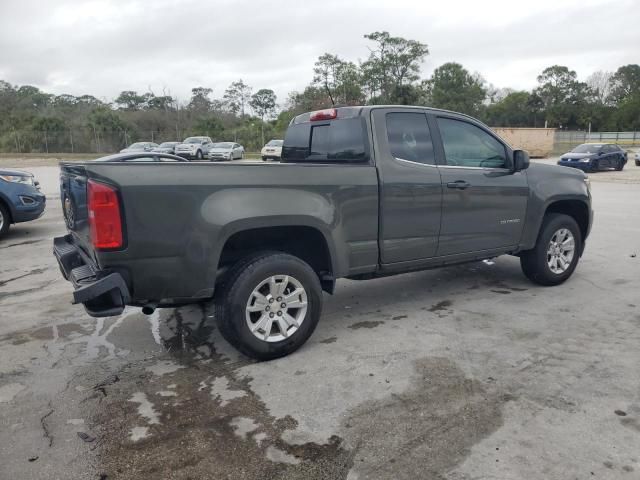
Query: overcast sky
point(102, 47)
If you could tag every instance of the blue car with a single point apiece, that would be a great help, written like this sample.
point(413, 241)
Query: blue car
point(20, 198)
point(592, 157)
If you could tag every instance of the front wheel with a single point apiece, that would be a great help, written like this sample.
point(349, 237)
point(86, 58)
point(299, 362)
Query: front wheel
point(269, 305)
point(557, 251)
point(637, 163)
point(620, 165)
point(199, 155)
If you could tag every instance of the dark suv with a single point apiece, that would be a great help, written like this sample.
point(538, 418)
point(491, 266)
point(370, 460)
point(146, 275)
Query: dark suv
point(591, 157)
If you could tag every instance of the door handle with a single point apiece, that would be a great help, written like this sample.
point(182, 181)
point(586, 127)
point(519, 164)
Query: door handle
point(459, 184)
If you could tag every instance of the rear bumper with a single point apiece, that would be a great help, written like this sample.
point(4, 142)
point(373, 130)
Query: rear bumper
point(102, 293)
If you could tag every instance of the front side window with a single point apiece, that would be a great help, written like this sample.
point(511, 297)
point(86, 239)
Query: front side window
point(409, 137)
point(466, 145)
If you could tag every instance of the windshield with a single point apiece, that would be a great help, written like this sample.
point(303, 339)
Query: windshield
point(275, 143)
point(138, 145)
point(167, 144)
point(194, 140)
point(587, 148)
point(222, 145)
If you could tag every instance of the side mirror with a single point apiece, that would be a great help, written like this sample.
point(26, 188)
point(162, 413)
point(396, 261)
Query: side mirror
point(520, 160)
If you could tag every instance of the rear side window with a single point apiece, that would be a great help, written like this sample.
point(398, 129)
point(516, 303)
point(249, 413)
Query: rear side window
point(409, 137)
point(326, 142)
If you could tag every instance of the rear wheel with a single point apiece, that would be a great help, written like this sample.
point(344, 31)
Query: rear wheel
point(620, 164)
point(637, 163)
point(4, 220)
point(557, 251)
point(264, 159)
point(269, 305)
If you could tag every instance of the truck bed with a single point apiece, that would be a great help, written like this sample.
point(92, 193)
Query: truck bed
point(177, 217)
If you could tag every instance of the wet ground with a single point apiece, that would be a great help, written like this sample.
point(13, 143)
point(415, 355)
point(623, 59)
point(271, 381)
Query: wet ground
point(462, 373)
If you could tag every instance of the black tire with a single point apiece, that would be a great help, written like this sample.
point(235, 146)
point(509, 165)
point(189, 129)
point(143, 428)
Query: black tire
point(534, 262)
point(637, 163)
point(199, 155)
point(234, 293)
point(620, 165)
point(595, 166)
point(264, 159)
point(5, 219)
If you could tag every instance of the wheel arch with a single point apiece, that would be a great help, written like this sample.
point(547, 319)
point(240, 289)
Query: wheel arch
point(304, 239)
point(4, 201)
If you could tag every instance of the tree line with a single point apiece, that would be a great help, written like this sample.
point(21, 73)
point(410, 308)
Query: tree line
point(32, 120)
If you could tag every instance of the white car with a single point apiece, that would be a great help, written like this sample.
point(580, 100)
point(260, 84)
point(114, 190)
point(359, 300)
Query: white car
point(225, 151)
point(272, 150)
point(194, 148)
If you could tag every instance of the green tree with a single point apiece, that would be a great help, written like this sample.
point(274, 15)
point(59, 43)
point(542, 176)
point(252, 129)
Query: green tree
point(565, 99)
point(625, 82)
point(200, 101)
point(452, 87)
point(237, 97)
point(393, 63)
point(263, 102)
point(339, 79)
point(130, 100)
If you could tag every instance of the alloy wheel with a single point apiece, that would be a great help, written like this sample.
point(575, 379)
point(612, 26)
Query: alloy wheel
point(561, 251)
point(276, 308)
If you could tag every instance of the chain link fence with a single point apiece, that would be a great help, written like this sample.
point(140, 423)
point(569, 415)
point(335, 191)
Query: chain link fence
point(566, 140)
point(89, 140)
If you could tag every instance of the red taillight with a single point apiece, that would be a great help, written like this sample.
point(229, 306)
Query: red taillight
point(105, 224)
point(328, 114)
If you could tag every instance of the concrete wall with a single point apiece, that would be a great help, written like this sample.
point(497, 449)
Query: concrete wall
point(537, 141)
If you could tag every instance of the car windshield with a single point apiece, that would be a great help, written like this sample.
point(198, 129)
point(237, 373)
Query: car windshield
point(587, 148)
point(222, 145)
point(193, 140)
point(275, 143)
point(167, 144)
point(138, 145)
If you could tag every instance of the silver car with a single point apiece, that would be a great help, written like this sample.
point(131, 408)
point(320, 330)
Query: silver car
point(139, 147)
point(194, 148)
point(166, 147)
point(226, 151)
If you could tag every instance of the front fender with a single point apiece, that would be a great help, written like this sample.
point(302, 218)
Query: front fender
point(549, 184)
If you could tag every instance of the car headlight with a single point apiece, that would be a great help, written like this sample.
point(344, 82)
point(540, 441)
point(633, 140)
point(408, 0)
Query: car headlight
point(584, 160)
point(17, 179)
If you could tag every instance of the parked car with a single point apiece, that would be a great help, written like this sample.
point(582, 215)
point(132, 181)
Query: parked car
point(272, 150)
point(361, 192)
point(592, 157)
point(141, 157)
point(140, 147)
point(20, 198)
point(195, 148)
point(225, 151)
point(166, 147)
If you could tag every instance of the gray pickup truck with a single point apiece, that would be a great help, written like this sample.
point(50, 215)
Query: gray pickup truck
point(361, 192)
